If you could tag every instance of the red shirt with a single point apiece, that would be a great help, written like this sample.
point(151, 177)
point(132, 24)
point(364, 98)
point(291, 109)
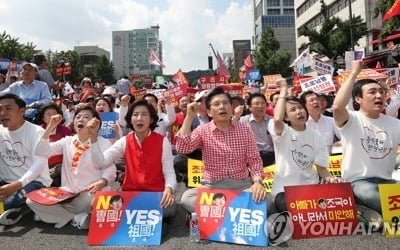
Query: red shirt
point(176, 126)
point(225, 155)
point(143, 170)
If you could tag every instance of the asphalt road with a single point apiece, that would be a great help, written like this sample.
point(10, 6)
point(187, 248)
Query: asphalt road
point(28, 234)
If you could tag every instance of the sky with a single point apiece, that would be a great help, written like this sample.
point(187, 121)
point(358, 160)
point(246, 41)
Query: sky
point(186, 26)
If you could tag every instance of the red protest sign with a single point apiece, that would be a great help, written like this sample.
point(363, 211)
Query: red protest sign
point(322, 210)
point(50, 195)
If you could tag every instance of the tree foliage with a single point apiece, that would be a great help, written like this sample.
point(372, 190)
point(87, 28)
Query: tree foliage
point(269, 58)
point(11, 48)
point(104, 70)
point(332, 39)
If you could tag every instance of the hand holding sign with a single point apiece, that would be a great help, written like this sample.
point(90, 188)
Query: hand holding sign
point(168, 198)
point(258, 191)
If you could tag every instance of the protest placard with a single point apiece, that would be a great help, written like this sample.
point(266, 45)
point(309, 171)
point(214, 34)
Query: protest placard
point(108, 119)
point(231, 216)
point(126, 218)
point(390, 203)
point(50, 195)
point(321, 210)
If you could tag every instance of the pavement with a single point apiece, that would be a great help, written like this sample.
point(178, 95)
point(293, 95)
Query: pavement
point(29, 234)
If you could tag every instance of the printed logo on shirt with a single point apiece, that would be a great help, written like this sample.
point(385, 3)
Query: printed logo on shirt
point(10, 155)
point(303, 156)
point(377, 144)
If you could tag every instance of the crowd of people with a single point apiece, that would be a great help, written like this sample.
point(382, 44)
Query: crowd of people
point(43, 143)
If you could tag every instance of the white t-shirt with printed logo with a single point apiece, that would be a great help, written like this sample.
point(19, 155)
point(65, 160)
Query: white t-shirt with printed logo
point(295, 154)
point(17, 160)
point(369, 146)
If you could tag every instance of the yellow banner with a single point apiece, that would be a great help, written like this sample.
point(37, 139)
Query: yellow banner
point(390, 202)
point(1, 207)
point(195, 172)
point(269, 174)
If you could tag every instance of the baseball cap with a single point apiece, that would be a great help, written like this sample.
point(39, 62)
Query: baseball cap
point(201, 94)
point(30, 64)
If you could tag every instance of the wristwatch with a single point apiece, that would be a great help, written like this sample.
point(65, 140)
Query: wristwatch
point(259, 181)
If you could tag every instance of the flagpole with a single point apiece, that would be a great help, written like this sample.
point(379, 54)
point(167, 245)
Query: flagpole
point(213, 50)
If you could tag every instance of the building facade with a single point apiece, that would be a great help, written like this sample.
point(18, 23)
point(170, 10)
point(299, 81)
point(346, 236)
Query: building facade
point(131, 49)
point(241, 49)
point(279, 15)
point(308, 12)
point(90, 55)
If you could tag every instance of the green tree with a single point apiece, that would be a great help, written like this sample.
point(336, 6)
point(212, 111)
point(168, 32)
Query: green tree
point(269, 58)
point(382, 6)
point(332, 39)
point(71, 57)
point(104, 70)
point(11, 48)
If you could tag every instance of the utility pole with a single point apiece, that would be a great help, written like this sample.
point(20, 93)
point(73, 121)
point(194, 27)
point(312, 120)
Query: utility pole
point(351, 26)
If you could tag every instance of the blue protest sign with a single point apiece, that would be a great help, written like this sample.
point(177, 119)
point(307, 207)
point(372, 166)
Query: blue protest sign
point(108, 119)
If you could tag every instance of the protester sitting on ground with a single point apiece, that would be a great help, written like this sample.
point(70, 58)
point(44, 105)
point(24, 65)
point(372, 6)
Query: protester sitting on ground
point(148, 156)
point(230, 154)
point(369, 139)
point(103, 105)
point(79, 173)
point(21, 170)
point(35, 93)
point(43, 119)
point(258, 122)
point(180, 116)
point(181, 160)
point(323, 124)
point(292, 137)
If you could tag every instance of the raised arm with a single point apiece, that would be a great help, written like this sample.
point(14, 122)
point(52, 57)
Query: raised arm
point(340, 113)
point(280, 108)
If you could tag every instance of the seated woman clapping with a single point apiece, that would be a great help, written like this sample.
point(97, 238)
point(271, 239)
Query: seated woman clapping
point(148, 156)
point(79, 174)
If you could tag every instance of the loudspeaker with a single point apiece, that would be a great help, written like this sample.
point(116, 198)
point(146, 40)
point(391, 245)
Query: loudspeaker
point(210, 63)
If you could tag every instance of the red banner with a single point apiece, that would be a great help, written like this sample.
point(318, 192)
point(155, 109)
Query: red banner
point(322, 210)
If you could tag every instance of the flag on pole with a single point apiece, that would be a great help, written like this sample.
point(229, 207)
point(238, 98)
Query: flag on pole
point(153, 59)
point(393, 11)
point(180, 78)
point(303, 58)
point(222, 70)
point(248, 62)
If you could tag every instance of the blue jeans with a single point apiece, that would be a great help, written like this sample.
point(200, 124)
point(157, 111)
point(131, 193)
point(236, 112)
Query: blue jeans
point(18, 198)
point(366, 192)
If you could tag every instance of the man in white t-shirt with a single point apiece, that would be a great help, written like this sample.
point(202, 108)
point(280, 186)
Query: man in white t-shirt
point(20, 170)
point(369, 138)
point(325, 125)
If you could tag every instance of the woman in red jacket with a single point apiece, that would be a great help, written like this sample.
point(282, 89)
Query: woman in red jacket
point(148, 156)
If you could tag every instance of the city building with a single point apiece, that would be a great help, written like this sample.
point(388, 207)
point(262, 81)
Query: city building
point(131, 49)
point(279, 15)
point(90, 55)
point(241, 49)
point(308, 12)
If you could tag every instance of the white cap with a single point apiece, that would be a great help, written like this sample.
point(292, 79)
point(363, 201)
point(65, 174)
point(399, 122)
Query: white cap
point(200, 94)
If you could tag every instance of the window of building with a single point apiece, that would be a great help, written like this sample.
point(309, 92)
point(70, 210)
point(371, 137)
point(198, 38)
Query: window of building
point(273, 3)
point(273, 12)
point(288, 12)
point(288, 3)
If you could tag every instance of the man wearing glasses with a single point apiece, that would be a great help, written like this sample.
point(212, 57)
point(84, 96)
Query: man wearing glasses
point(35, 93)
